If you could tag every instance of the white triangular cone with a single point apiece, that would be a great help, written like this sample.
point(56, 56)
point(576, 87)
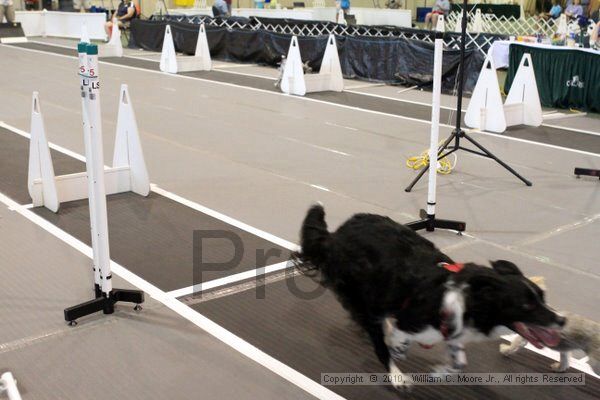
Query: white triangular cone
point(202, 49)
point(40, 162)
point(341, 18)
point(128, 148)
point(562, 26)
point(113, 48)
point(331, 65)
point(524, 91)
point(85, 37)
point(441, 24)
point(168, 58)
point(486, 110)
point(478, 22)
point(292, 81)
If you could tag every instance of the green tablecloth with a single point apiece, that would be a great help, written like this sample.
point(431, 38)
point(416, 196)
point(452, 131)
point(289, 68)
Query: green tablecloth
point(565, 77)
point(497, 9)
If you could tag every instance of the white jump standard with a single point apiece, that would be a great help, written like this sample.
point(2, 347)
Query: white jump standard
point(329, 78)
point(428, 221)
point(106, 296)
point(171, 63)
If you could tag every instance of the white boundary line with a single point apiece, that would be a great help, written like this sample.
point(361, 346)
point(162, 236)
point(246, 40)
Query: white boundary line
point(496, 136)
point(169, 299)
point(573, 129)
point(242, 276)
point(184, 311)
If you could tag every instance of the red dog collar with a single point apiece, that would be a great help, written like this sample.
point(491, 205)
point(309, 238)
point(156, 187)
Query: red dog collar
point(453, 267)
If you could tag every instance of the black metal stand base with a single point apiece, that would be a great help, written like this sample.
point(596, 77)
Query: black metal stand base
point(429, 222)
point(444, 151)
point(587, 172)
point(104, 303)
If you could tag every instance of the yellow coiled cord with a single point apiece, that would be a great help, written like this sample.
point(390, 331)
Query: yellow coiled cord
point(422, 160)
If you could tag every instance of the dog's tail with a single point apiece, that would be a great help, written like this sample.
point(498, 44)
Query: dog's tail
point(315, 241)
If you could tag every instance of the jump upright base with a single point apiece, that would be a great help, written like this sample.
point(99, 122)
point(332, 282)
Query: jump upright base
point(104, 304)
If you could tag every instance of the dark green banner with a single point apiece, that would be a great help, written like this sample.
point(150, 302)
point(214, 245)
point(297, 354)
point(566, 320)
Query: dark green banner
point(566, 78)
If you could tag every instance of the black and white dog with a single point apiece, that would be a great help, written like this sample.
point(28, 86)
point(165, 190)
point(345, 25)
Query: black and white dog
point(401, 289)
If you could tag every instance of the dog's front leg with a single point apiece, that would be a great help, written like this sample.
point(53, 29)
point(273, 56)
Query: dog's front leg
point(458, 360)
point(517, 343)
point(563, 365)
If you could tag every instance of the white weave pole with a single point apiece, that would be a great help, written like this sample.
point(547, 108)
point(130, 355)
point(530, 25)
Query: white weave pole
point(84, 82)
point(435, 125)
point(95, 168)
point(8, 384)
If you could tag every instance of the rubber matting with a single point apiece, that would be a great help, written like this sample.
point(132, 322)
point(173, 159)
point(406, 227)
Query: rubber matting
point(554, 136)
point(151, 236)
point(14, 165)
point(315, 336)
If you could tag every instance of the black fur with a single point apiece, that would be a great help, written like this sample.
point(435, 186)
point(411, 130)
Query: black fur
point(378, 268)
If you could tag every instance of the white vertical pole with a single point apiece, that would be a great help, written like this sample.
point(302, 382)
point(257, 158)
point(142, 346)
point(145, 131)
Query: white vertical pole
point(10, 385)
point(98, 216)
point(84, 82)
point(435, 124)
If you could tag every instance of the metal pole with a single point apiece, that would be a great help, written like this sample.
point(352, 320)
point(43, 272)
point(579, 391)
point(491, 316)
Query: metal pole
point(461, 71)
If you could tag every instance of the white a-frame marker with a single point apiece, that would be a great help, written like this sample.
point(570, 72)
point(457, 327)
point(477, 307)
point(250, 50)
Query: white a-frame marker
point(172, 63)
point(128, 172)
point(329, 78)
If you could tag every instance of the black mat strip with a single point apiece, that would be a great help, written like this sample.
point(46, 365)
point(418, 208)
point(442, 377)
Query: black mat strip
point(151, 236)
point(14, 165)
point(315, 336)
point(554, 136)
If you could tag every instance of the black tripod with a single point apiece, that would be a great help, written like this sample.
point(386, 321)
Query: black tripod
point(446, 148)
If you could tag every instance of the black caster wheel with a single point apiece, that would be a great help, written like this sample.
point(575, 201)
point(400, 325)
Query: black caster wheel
point(72, 323)
point(137, 307)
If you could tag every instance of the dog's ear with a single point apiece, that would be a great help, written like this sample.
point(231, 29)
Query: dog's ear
point(504, 267)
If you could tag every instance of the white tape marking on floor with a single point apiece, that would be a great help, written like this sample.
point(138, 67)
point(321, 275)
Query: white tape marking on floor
point(184, 311)
point(242, 276)
point(341, 153)
point(304, 98)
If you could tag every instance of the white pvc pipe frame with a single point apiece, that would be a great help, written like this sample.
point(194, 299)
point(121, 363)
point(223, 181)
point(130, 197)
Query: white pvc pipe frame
point(435, 124)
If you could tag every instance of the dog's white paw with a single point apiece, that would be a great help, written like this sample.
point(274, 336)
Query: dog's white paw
point(401, 382)
point(505, 349)
point(558, 367)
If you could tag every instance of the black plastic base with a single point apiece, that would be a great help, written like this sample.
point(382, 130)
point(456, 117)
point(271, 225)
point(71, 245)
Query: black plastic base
point(587, 172)
point(103, 303)
point(429, 222)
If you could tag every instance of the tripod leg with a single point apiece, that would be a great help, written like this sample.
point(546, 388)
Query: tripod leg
point(499, 161)
point(414, 182)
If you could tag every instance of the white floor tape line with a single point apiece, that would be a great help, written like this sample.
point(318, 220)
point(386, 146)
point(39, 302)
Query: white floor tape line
point(304, 98)
point(242, 276)
point(183, 310)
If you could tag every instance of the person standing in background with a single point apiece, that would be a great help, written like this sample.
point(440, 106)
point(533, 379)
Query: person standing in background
point(7, 9)
point(228, 2)
point(220, 9)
